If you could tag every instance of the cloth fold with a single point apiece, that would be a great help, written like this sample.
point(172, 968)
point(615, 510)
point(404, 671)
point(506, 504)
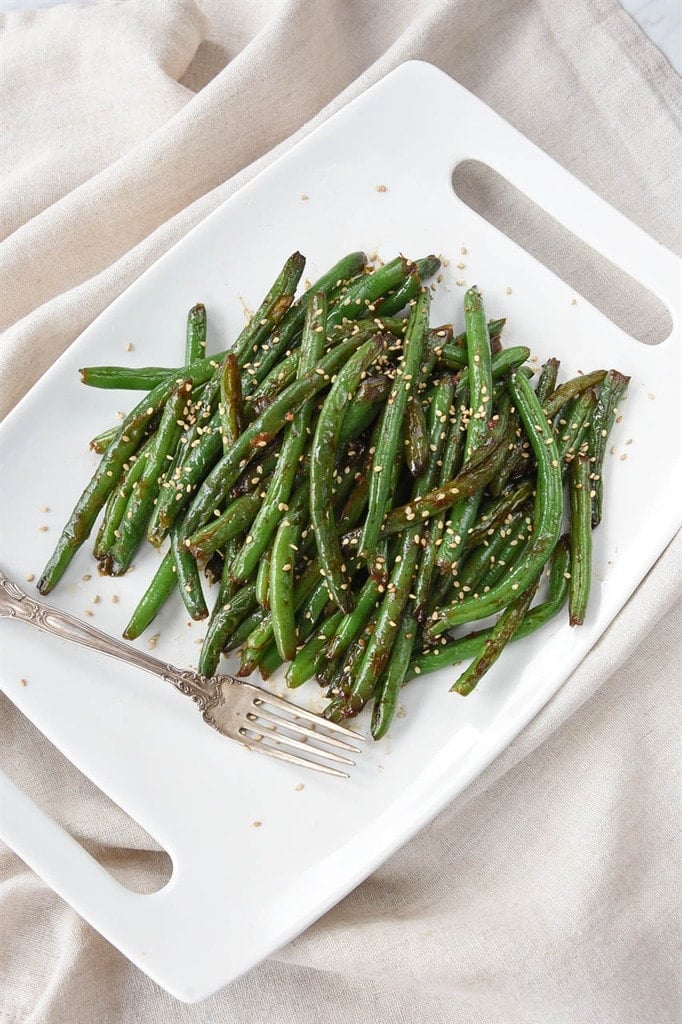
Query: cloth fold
point(548, 890)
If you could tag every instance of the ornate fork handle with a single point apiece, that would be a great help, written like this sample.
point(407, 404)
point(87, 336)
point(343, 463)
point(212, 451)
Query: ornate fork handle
point(15, 604)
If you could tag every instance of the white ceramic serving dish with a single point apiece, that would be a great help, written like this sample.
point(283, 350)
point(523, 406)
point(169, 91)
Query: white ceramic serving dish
point(239, 892)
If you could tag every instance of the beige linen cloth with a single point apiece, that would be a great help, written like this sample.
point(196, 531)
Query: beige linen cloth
point(548, 892)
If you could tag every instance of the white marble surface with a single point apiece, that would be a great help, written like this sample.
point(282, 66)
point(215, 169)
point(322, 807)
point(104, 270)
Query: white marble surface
point(660, 19)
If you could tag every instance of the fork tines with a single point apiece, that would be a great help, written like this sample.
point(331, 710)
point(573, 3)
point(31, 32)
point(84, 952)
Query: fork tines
point(298, 736)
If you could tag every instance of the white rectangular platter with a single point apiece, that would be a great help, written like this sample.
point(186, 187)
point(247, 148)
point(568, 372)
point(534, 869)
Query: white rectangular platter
point(238, 892)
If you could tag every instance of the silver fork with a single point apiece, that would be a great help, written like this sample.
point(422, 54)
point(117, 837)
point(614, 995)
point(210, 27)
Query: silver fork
point(248, 714)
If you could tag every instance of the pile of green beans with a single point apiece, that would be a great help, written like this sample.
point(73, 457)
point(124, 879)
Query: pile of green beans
point(357, 485)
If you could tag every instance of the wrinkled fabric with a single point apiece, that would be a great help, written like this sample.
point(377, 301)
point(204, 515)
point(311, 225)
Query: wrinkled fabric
point(549, 889)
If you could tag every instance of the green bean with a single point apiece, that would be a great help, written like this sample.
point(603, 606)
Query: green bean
point(502, 632)
point(546, 384)
point(502, 363)
point(261, 637)
point(199, 447)
point(495, 512)
point(519, 449)
point(580, 539)
point(283, 372)
point(570, 389)
point(287, 331)
point(161, 587)
point(227, 585)
point(125, 378)
point(241, 634)
point(188, 578)
point(309, 612)
point(362, 295)
point(391, 425)
point(293, 444)
point(546, 517)
point(612, 390)
point(223, 622)
point(442, 459)
point(386, 700)
point(365, 407)
point(81, 520)
point(189, 581)
point(283, 559)
point(352, 624)
point(310, 593)
point(329, 675)
point(416, 437)
point(389, 617)
point(101, 442)
point(471, 646)
point(141, 501)
point(394, 303)
point(480, 384)
point(230, 421)
point(265, 427)
point(495, 328)
point(311, 656)
point(231, 409)
point(470, 479)
point(325, 443)
point(269, 662)
point(464, 514)
point(117, 504)
point(279, 377)
point(341, 680)
point(263, 579)
point(508, 550)
point(455, 355)
point(572, 436)
point(236, 518)
point(195, 341)
point(255, 477)
point(176, 494)
point(271, 310)
point(489, 555)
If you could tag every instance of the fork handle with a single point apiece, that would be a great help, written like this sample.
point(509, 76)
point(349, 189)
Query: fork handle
point(15, 604)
